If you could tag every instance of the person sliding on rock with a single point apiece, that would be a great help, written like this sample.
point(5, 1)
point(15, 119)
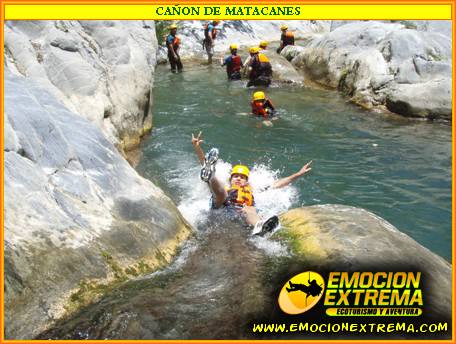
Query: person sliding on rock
point(173, 44)
point(210, 33)
point(287, 38)
point(238, 196)
point(233, 64)
point(262, 106)
point(260, 69)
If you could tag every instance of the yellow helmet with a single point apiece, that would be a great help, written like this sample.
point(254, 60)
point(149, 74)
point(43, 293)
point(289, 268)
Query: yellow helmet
point(254, 50)
point(233, 46)
point(240, 169)
point(216, 21)
point(173, 26)
point(258, 95)
point(264, 44)
point(284, 27)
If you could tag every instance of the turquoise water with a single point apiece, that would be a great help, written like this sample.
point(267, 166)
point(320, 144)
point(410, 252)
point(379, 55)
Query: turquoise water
point(397, 168)
point(224, 280)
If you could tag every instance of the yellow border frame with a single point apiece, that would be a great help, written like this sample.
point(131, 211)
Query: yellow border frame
point(156, 12)
point(109, 9)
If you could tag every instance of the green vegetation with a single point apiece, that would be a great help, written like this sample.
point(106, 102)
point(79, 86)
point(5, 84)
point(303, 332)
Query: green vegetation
point(408, 24)
point(143, 267)
point(436, 56)
point(161, 30)
point(292, 240)
point(119, 274)
point(90, 291)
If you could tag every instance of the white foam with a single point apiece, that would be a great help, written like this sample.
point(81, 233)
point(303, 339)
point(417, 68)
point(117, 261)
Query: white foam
point(195, 200)
point(271, 248)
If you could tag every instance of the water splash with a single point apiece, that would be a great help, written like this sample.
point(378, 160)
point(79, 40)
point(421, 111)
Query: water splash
point(195, 202)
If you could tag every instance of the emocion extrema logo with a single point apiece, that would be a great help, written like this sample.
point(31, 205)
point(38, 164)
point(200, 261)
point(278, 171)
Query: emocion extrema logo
point(301, 292)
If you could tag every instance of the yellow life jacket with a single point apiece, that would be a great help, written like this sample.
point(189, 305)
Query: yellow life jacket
point(239, 195)
point(262, 58)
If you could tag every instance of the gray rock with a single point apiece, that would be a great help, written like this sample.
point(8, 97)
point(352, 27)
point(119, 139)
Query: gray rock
point(438, 26)
point(102, 70)
point(10, 140)
point(430, 99)
point(283, 70)
point(360, 58)
point(291, 51)
point(343, 238)
point(76, 213)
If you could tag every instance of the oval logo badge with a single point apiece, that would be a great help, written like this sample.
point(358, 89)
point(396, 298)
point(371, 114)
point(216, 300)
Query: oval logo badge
point(301, 292)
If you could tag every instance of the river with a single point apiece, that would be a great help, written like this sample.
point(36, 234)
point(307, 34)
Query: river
point(223, 280)
point(397, 168)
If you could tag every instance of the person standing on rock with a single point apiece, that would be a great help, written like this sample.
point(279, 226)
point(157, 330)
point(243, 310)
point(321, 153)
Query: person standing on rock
point(260, 69)
point(238, 196)
point(210, 33)
point(233, 64)
point(173, 44)
point(287, 38)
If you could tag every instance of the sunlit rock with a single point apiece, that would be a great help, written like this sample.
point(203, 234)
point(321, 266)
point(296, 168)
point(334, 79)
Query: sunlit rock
point(343, 238)
point(379, 63)
point(101, 70)
point(77, 216)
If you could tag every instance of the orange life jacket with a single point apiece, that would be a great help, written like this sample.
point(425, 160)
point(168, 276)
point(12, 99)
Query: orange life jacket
point(288, 38)
point(175, 42)
point(239, 196)
point(259, 108)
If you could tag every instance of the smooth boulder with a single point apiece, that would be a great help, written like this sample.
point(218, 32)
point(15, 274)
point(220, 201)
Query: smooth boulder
point(101, 70)
point(342, 238)
point(381, 64)
point(78, 217)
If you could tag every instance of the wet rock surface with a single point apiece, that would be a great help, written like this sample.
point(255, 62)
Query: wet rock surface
point(77, 216)
point(212, 292)
point(75, 211)
point(343, 238)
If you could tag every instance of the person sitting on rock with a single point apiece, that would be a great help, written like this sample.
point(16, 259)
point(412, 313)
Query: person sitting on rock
point(233, 64)
point(287, 38)
point(210, 33)
point(238, 196)
point(260, 69)
point(173, 44)
point(262, 106)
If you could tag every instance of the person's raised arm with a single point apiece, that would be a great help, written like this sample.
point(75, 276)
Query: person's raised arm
point(287, 180)
point(196, 142)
